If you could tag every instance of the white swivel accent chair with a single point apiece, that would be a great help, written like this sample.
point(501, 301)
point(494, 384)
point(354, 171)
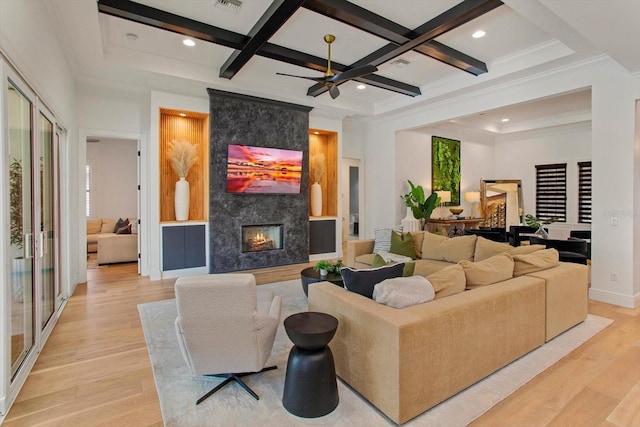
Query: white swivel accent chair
point(225, 326)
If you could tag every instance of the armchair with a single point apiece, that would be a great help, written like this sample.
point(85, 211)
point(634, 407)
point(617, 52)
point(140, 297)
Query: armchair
point(572, 250)
point(225, 326)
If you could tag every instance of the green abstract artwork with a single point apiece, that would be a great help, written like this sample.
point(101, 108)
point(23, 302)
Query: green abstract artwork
point(445, 167)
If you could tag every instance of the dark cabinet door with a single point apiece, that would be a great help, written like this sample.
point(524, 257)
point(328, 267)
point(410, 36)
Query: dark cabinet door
point(183, 247)
point(322, 236)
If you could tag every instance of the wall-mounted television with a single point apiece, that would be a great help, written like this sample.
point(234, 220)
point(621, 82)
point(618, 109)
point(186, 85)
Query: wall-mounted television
point(262, 170)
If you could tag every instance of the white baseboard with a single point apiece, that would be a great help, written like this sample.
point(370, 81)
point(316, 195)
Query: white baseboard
point(628, 301)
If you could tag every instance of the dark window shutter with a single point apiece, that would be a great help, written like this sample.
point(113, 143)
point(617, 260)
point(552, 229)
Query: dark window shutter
point(551, 191)
point(584, 192)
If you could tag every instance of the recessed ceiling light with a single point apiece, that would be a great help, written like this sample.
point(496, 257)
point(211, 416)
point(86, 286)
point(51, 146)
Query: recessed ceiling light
point(361, 86)
point(478, 34)
point(188, 42)
point(505, 119)
point(317, 133)
point(132, 36)
point(183, 114)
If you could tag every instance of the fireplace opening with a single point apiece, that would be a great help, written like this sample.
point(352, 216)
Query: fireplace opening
point(256, 238)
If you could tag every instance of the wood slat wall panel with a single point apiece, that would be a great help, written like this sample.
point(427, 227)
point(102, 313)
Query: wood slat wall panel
point(195, 129)
point(327, 143)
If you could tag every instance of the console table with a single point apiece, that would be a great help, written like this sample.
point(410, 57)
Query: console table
point(453, 227)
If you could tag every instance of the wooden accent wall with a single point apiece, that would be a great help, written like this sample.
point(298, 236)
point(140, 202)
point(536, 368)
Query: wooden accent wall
point(195, 129)
point(326, 142)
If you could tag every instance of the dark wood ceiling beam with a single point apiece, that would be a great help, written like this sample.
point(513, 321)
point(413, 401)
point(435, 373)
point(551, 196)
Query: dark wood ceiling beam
point(456, 16)
point(270, 22)
point(365, 20)
point(157, 18)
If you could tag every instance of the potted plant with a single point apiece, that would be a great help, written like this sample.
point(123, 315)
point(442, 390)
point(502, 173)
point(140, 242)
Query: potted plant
point(420, 206)
point(325, 267)
point(538, 223)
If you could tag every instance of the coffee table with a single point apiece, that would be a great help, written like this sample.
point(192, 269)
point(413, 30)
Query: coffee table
point(309, 275)
point(310, 386)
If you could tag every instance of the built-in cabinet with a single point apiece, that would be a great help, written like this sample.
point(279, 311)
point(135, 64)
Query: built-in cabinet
point(322, 229)
point(183, 243)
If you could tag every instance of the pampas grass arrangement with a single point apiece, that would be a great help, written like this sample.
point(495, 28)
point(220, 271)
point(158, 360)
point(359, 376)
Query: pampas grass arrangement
point(182, 155)
point(318, 166)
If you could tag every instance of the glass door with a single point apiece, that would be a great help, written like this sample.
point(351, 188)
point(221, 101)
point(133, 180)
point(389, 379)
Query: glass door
point(46, 253)
point(20, 125)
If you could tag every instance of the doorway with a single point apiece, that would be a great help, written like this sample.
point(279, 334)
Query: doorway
point(111, 184)
point(352, 203)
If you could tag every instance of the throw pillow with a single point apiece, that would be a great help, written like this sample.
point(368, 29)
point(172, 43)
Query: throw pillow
point(379, 261)
point(402, 244)
point(403, 292)
point(448, 281)
point(443, 248)
point(93, 226)
point(489, 271)
point(486, 248)
point(382, 240)
point(124, 230)
point(108, 225)
point(418, 239)
point(119, 224)
point(540, 260)
point(362, 281)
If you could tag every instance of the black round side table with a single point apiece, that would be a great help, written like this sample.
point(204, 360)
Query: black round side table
point(309, 276)
point(310, 386)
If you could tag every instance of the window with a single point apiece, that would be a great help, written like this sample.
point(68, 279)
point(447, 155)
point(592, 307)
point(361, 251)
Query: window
point(551, 191)
point(584, 192)
point(87, 187)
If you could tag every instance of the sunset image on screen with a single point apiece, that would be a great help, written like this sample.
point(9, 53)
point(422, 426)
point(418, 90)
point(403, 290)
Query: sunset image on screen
point(263, 170)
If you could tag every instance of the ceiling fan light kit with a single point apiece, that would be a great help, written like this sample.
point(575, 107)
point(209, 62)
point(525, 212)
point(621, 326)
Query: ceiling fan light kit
point(330, 79)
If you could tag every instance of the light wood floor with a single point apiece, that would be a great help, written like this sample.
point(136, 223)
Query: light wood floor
point(95, 369)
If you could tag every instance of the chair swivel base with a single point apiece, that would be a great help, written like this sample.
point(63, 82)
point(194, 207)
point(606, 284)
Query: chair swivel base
point(233, 377)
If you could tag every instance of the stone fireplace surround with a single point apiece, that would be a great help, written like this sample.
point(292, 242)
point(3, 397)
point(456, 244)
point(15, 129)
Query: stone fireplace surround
point(246, 120)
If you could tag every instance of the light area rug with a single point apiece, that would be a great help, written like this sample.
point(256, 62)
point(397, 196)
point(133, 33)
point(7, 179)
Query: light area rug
point(232, 406)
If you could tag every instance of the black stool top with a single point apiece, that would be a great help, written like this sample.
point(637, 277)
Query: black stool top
point(311, 330)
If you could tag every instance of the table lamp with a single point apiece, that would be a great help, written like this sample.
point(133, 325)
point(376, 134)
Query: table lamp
point(445, 197)
point(472, 197)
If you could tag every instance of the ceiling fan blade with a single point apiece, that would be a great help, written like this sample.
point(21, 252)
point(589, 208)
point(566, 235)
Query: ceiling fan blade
point(353, 73)
point(334, 92)
point(315, 79)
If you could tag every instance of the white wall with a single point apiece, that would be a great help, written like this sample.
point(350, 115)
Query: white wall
point(413, 162)
point(614, 92)
point(114, 165)
point(516, 156)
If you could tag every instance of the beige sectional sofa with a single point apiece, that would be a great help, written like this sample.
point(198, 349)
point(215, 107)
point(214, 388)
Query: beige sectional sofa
point(111, 247)
point(405, 361)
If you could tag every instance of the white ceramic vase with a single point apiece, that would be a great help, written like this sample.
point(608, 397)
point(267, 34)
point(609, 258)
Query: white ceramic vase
point(410, 223)
point(182, 200)
point(316, 199)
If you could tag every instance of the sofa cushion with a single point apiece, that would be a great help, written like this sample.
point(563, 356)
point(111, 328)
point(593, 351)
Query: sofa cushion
point(448, 249)
point(108, 225)
point(365, 259)
point(537, 261)
point(402, 244)
point(362, 281)
point(402, 292)
point(448, 281)
point(94, 226)
point(380, 261)
point(425, 267)
point(486, 272)
point(382, 240)
point(486, 248)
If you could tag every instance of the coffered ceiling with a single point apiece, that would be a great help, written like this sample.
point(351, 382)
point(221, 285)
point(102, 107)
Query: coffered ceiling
point(139, 45)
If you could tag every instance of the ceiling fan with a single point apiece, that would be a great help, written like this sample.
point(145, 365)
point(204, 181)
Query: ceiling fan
point(330, 79)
